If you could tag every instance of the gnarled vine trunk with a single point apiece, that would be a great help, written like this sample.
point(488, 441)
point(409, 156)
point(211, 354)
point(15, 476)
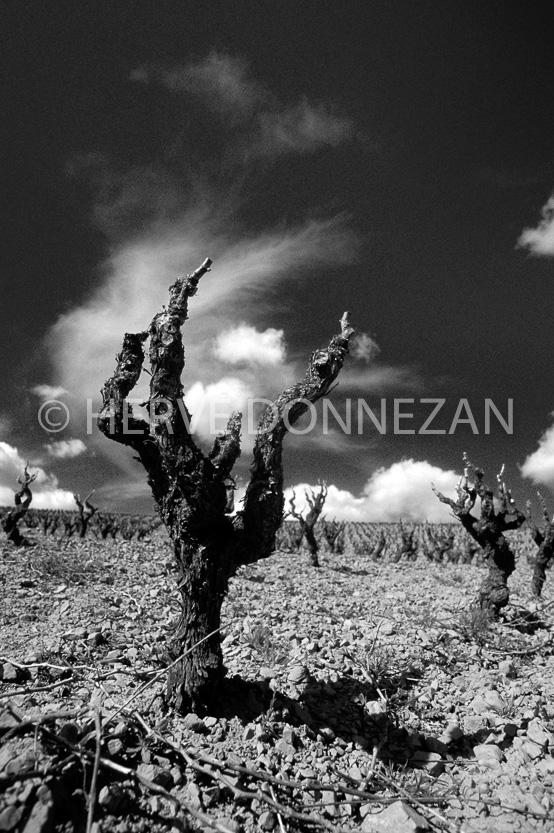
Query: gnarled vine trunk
point(307, 524)
point(22, 500)
point(191, 489)
point(488, 531)
point(333, 532)
point(544, 539)
point(86, 512)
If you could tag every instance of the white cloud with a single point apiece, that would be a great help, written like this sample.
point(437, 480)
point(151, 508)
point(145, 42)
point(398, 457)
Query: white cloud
point(12, 464)
point(45, 489)
point(47, 392)
point(402, 491)
point(66, 449)
point(540, 240)
point(246, 345)
point(211, 405)
point(53, 499)
point(539, 466)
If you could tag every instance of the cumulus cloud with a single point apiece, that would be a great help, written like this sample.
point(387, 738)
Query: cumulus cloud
point(50, 499)
point(46, 491)
point(47, 392)
point(539, 466)
point(402, 491)
point(246, 345)
point(264, 127)
point(66, 449)
point(540, 240)
point(53, 499)
point(211, 405)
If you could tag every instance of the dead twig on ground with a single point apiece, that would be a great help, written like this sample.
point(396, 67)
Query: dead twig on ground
point(21, 691)
point(96, 767)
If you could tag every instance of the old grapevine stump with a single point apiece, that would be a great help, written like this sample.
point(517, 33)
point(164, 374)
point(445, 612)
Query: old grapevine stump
point(191, 488)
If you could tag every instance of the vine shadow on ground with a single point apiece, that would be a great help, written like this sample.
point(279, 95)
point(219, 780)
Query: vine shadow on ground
point(346, 712)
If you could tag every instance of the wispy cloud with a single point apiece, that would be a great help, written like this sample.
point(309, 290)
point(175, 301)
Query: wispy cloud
point(123, 488)
point(363, 347)
point(540, 240)
point(223, 82)
point(245, 275)
point(46, 392)
point(160, 226)
point(381, 378)
point(333, 440)
point(264, 127)
point(402, 491)
point(45, 489)
point(5, 425)
point(302, 128)
point(66, 449)
point(130, 201)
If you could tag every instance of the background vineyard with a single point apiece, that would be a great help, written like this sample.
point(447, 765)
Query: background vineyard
point(437, 542)
point(428, 541)
point(64, 523)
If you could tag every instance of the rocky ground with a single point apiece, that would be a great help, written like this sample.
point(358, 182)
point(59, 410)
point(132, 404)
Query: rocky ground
point(360, 696)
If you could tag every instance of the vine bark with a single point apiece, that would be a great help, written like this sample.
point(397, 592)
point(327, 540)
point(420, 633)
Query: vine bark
point(191, 488)
point(22, 500)
point(488, 531)
point(544, 539)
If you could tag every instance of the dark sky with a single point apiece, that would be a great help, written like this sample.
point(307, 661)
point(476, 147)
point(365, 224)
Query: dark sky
point(381, 157)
